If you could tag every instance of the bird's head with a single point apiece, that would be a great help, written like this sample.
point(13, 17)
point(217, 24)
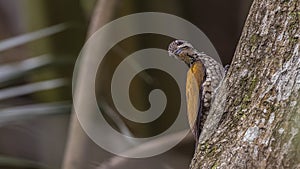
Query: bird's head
point(182, 50)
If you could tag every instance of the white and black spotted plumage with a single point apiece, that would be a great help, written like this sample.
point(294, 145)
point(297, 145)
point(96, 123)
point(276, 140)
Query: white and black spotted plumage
point(207, 74)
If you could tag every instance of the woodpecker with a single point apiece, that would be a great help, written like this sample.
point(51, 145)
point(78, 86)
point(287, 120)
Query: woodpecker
point(203, 78)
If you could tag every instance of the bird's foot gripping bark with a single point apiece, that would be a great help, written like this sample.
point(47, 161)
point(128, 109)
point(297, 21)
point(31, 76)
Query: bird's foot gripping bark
point(226, 68)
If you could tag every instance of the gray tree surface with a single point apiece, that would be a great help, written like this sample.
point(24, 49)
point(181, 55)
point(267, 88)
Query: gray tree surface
point(254, 122)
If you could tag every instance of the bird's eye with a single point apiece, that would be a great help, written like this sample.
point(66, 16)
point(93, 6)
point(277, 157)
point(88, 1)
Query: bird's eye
point(179, 43)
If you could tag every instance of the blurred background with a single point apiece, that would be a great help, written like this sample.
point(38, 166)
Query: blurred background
point(39, 44)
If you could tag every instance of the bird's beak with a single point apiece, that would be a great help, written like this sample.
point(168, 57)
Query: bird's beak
point(177, 51)
point(173, 55)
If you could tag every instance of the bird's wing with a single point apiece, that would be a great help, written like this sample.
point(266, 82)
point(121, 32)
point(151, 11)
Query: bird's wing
point(195, 79)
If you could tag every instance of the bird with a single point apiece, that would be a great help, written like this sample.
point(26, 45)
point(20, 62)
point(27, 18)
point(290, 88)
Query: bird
point(203, 78)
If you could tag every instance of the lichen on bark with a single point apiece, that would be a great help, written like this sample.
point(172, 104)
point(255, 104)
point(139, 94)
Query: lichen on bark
point(254, 120)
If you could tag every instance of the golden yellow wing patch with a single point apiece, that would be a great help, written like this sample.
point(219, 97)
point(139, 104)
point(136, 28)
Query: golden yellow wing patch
point(195, 78)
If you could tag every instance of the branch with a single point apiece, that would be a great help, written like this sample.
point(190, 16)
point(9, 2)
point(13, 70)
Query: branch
point(78, 144)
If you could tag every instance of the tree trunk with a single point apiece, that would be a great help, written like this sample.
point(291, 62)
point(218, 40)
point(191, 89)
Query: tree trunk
point(254, 120)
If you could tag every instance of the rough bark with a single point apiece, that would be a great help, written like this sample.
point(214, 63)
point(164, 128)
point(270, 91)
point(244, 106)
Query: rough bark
point(254, 122)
